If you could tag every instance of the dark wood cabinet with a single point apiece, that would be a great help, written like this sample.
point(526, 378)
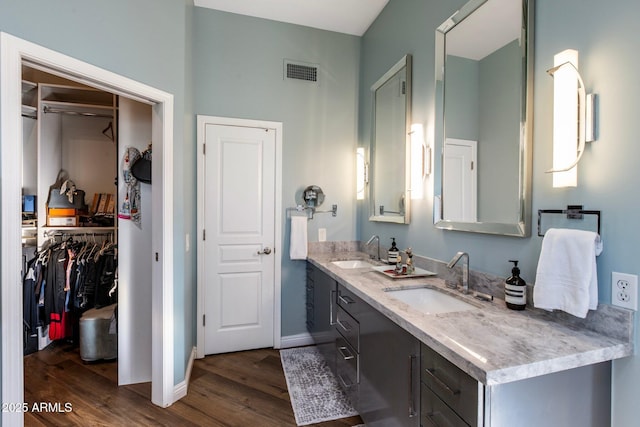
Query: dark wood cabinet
point(321, 312)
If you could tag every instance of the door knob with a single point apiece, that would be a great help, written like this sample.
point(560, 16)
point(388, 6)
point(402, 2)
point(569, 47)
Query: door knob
point(265, 251)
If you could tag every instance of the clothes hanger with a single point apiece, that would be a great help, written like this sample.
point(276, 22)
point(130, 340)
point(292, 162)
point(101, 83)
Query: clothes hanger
point(108, 132)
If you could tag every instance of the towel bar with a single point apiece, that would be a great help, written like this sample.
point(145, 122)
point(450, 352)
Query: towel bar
point(312, 210)
point(572, 212)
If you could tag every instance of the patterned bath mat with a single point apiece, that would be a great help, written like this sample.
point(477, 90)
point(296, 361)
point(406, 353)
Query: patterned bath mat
point(315, 394)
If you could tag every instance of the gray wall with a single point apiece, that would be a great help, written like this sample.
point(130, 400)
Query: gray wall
point(606, 36)
point(238, 72)
point(498, 150)
point(145, 40)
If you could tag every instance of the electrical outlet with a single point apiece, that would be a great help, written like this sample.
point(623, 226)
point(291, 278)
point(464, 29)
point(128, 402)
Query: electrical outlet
point(322, 234)
point(624, 290)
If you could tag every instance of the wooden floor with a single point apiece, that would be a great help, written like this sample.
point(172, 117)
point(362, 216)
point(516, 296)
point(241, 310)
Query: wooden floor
point(237, 389)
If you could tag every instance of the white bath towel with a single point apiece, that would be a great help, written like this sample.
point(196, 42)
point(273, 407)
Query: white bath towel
point(567, 277)
point(298, 237)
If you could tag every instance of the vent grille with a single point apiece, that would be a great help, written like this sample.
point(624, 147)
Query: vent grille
point(299, 71)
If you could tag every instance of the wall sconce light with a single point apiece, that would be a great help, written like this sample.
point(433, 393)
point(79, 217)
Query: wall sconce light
point(573, 118)
point(361, 173)
point(420, 161)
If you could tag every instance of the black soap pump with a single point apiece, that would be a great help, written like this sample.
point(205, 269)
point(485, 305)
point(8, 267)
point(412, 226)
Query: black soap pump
point(393, 252)
point(515, 289)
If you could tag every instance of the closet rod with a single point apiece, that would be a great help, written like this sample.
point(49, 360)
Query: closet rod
point(47, 109)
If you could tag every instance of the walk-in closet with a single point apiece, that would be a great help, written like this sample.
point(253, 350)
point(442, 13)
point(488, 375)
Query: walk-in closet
point(86, 223)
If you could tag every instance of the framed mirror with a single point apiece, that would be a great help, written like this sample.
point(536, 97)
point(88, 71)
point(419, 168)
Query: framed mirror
point(390, 149)
point(483, 125)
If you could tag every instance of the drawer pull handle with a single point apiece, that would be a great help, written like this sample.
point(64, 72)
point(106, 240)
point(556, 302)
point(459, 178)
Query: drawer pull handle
point(430, 417)
point(432, 374)
point(344, 383)
point(412, 403)
point(347, 356)
point(346, 299)
point(332, 300)
point(344, 325)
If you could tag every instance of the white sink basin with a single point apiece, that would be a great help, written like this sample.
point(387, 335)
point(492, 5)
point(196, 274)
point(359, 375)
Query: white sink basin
point(430, 301)
point(351, 264)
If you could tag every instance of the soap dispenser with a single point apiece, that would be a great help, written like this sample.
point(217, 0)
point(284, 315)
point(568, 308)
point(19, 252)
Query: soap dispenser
point(515, 289)
point(393, 252)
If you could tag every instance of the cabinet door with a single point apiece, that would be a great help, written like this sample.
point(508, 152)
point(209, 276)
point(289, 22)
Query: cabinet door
point(321, 297)
point(311, 274)
point(389, 372)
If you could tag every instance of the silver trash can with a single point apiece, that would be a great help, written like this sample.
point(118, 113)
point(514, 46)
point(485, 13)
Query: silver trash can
point(97, 342)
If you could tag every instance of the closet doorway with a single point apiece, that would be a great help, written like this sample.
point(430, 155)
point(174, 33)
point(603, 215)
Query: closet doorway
point(14, 53)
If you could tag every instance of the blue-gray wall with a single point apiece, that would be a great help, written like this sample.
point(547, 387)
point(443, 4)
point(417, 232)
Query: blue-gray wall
point(238, 72)
point(147, 41)
point(606, 36)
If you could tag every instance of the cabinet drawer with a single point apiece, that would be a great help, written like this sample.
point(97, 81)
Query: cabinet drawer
point(451, 384)
point(350, 302)
point(347, 369)
point(349, 328)
point(435, 413)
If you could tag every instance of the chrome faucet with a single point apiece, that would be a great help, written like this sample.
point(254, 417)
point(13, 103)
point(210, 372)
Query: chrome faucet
point(465, 269)
point(375, 237)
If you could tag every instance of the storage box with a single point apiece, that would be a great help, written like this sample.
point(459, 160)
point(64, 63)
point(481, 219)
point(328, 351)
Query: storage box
point(62, 212)
point(63, 221)
point(29, 203)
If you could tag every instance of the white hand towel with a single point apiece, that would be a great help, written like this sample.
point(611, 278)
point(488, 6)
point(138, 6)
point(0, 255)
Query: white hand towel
point(298, 238)
point(567, 277)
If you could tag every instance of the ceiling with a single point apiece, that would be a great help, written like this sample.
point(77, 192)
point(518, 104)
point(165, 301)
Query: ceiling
point(498, 21)
point(343, 16)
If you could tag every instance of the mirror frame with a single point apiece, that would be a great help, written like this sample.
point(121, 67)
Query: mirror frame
point(522, 227)
point(405, 62)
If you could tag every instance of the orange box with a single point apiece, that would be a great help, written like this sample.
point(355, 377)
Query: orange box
point(62, 212)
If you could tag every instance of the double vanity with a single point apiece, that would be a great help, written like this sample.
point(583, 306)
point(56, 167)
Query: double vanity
point(412, 351)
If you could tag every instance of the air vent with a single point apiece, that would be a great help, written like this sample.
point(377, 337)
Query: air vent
point(301, 71)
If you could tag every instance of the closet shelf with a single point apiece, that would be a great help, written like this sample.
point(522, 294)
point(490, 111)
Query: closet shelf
point(76, 105)
point(28, 86)
point(81, 229)
point(76, 95)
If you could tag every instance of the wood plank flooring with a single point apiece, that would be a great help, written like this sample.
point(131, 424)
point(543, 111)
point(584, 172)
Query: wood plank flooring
point(236, 389)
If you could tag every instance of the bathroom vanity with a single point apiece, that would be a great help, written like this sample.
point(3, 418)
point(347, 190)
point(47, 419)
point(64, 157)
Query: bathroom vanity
point(484, 366)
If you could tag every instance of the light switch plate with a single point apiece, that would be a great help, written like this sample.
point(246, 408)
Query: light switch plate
point(624, 290)
point(322, 234)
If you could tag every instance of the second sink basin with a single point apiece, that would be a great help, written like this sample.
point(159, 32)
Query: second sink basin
point(351, 264)
point(430, 301)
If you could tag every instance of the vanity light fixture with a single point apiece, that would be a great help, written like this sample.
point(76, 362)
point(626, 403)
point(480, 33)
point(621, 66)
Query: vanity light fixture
point(420, 160)
point(361, 173)
point(573, 118)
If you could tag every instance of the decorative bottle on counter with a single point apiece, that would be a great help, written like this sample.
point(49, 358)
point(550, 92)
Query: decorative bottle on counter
point(515, 289)
point(393, 252)
point(410, 267)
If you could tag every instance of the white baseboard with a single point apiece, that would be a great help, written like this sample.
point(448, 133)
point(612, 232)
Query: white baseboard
point(180, 390)
point(298, 340)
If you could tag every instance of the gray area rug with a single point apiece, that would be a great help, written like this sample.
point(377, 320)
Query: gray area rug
point(315, 394)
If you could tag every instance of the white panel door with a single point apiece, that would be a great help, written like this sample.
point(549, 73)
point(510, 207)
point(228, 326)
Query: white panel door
point(239, 235)
point(460, 180)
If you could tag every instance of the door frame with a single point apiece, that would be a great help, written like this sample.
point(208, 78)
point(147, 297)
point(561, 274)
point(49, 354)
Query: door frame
point(277, 252)
point(472, 182)
point(13, 51)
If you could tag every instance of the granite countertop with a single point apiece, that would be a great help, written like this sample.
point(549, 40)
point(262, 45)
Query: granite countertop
point(493, 344)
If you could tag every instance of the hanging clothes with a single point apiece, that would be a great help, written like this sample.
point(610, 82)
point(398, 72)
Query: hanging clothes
point(64, 280)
